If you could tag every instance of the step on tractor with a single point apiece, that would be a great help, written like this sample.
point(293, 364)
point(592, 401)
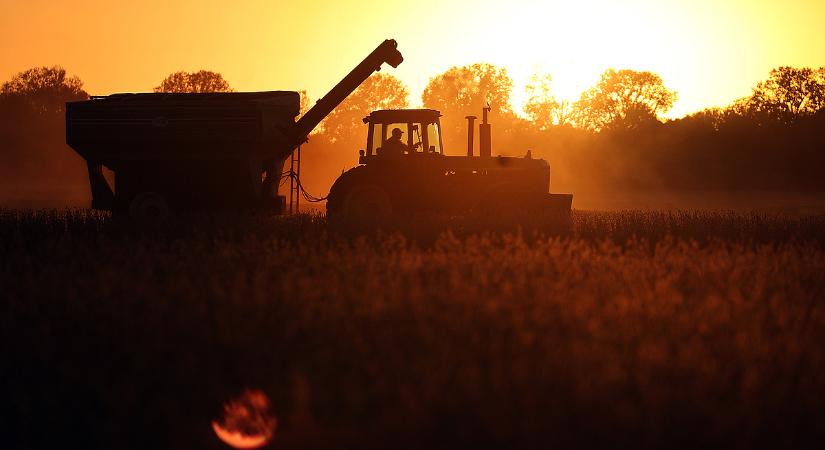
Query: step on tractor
point(226, 151)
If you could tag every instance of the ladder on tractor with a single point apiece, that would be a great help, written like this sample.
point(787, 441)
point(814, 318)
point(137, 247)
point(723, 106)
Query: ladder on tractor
point(294, 181)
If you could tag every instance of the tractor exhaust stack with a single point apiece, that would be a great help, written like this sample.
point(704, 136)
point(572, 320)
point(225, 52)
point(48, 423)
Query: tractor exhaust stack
point(484, 135)
point(470, 127)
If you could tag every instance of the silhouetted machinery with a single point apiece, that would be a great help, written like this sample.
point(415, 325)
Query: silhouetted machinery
point(227, 150)
point(199, 151)
point(423, 178)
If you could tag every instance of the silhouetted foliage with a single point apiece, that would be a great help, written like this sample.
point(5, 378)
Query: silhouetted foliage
point(713, 117)
point(304, 105)
point(623, 99)
point(44, 89)
point(462, 91)
point(469, 88)
point(769, 141)
point(543, 109)
point(719, 149)
point(200, 81)
point(379, 91)
point(34, 156)
point(788, 93)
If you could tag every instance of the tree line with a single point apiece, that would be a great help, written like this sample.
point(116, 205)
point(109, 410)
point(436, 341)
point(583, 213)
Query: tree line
point(613, 137)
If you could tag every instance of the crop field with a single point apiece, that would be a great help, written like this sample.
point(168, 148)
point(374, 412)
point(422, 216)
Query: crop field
point(668, 329)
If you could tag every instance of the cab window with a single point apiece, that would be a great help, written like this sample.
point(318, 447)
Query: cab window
point(434, 137)
point(377, 140)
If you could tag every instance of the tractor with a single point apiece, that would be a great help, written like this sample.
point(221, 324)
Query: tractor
point(423, 179)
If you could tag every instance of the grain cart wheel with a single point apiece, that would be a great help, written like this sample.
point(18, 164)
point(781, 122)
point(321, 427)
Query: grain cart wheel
point(149, 207)
point(367, 205)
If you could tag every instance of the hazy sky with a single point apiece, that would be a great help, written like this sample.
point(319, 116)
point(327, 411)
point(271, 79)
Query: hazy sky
point(710, 51)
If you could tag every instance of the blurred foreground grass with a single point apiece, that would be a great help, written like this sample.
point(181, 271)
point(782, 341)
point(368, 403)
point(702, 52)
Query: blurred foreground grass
point(635, 329)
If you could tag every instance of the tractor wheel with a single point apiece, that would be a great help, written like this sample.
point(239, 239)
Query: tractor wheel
point(149, 208)
point(367, 205)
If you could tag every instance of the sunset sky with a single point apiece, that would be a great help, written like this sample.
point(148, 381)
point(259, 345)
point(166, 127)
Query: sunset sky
point(710, 51)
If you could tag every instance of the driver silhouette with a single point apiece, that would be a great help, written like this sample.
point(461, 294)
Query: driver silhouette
point(393, 145)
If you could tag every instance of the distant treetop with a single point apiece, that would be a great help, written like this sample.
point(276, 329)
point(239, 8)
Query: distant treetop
point(200, 81)
point(467, 89)
point(542, 107)
point(789, 93)
point(45, 89)
point(379, 91)
point(623, 99)
point(464, 90)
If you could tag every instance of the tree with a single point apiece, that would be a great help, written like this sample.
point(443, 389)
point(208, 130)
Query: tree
point(623, 99)
point(33, 134)
point(44, 89)
point(713, 118)
point(469, 88)
point(379, 91)
point(542, 107)
point(462, 91)
point(789, 93)
point(304, 102)
point(200, 81)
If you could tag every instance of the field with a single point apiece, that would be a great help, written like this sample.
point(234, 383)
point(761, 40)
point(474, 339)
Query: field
point(681, 329)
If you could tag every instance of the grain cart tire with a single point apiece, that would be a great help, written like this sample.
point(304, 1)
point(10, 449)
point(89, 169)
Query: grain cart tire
point(149, 207)
point(367, 204)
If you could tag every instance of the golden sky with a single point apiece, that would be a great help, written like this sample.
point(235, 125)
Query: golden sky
point(710, 51)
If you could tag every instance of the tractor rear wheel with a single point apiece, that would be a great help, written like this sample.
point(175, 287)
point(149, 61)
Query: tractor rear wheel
point(367, 204)
point(358, 195)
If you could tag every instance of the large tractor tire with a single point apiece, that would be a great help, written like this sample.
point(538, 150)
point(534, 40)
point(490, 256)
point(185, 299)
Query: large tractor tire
point(339, 190)
point(359, 198)
point(364, 204)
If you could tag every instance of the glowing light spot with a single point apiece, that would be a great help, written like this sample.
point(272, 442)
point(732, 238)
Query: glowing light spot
point(247, 421)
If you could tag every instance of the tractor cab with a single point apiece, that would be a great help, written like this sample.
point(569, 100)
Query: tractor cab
point(420, 134)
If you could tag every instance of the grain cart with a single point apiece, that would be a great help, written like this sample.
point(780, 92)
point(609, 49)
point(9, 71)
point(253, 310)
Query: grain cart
point(201, 151)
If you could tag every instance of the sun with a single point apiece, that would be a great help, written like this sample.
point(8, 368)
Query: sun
point(575, 42)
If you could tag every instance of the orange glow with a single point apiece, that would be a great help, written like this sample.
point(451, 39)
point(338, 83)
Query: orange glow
point(710, 52)
point(237, 439)
point(247, 421)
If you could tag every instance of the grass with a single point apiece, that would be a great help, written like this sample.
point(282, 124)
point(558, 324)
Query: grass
point(634, 329)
